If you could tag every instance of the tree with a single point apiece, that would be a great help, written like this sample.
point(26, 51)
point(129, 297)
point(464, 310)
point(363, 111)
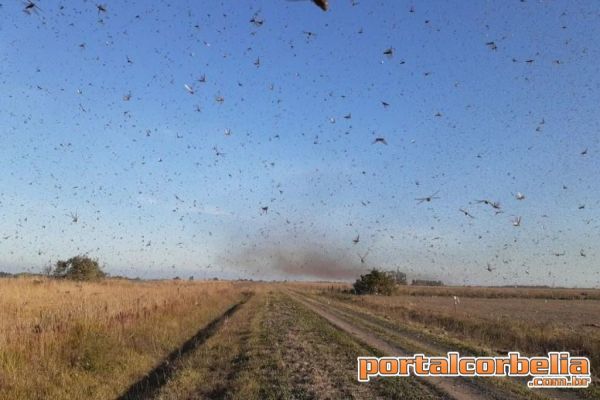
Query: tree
point(79, 268)
point(47, 269)
point(375, 282)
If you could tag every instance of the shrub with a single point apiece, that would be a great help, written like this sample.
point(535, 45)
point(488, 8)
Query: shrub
point(78, 268)
point(375, 282)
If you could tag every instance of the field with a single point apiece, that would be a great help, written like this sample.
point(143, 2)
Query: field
point(242, 340)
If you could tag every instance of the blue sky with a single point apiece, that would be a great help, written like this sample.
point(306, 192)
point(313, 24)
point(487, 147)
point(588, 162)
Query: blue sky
point(160, 189)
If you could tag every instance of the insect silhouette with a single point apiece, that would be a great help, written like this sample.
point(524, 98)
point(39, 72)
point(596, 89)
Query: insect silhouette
point(520, 196)
point(309, 34)
point(492, 45)
point(363, 257)
point(322, 4)
point(257, 21)
point(30, 7)
point(74, 217)
point(493, 204)
point(189, 88)
point(428, 198)
point(468, 214)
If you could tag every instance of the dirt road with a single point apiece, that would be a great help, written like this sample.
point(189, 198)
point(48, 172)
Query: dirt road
point(288, 344)
point(274, 347)
point(391, 342)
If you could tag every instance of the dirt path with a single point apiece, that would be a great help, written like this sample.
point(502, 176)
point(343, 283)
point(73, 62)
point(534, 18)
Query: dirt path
point(276, 348)
point(313, 360)
point(455, 388)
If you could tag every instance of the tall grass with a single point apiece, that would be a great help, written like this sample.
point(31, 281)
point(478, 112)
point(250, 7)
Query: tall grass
point(467, 291)
point(502, 292)
point(61, 339)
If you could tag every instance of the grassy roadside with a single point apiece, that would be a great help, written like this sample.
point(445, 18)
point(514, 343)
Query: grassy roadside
point(213, 368)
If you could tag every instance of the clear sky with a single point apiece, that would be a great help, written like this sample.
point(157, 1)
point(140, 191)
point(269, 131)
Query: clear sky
point(484, 100)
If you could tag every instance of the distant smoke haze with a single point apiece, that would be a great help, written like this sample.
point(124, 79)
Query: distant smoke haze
point(301, 261)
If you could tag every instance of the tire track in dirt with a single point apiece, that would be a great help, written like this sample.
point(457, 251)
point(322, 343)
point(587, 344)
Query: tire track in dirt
point(150, 384)
point(459, 389)
point(408, 339)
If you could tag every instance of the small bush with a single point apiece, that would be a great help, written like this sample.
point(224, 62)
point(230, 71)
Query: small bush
point(78, 268)
point(375, 282)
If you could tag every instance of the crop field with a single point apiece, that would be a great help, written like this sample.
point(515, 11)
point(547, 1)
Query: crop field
point(218, 339)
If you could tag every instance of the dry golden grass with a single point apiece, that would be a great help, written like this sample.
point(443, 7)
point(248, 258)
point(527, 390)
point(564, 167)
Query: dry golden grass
point(61, 339)
point(470, 291)
point(572, 314)
point(502, 292)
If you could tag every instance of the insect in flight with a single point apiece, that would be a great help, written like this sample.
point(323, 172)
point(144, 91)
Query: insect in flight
point(380, 140)
point(466, 213)
point(322, 4)
point(30, 7)
point(428, 198)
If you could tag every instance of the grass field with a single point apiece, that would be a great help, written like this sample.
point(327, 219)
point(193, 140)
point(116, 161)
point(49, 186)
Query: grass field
point(65, 340)
point(242, 340)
